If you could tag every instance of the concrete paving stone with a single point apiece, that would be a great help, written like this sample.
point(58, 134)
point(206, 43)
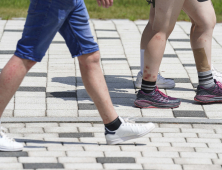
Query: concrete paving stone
point(166, 130)
point(83, 165)
point(11, 166)
point(29, 113)
point(203, 140)
point(122, 154)
point(28, 125)
point(8, 113)
point(61, 100)
point(8, 160)
point(160, 154)
point(162, 166)
point(62, 113)
point(175, 149)
point(167, 139)
point(37, 159)
point(29, 100)
point(209, 150)
point(75, 135)
point(192, 145)
point(42, 165)
point(202, 167)
point(10, 125)
point(49, 135)
point(26, 130)
point(163, 125)
point(180, 135)
point(65, 148)
point(96, 140)
point(60, 129)
point(68, 106)
point(145, 160)
point(13, 154)
point(214, 115)
point(217, 161)
point(102, 148)
point(188, 113)
point(85, 154)
point(122, 166)
point(61, 94)
point(209, 131)
point(104, 160)
point(198, 155)
point(157, 113)
point(91, 129)
point(76, 160)
point(23, 106)
point(75, 124)
point(210, 136)
point(193, 161)
point(47, 153)
point(86, 106)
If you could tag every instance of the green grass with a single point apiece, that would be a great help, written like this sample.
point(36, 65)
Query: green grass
point(128, 9)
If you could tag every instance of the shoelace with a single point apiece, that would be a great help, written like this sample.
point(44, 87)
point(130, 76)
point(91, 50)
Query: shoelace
point(161, 93)
point(159, 77)
point(3, 134)
point(131, 121)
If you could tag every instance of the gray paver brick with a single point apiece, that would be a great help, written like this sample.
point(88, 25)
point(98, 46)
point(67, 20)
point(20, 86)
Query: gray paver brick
point(104, 160)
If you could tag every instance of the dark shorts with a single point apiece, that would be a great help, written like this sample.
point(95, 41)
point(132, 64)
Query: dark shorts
point(46, 18)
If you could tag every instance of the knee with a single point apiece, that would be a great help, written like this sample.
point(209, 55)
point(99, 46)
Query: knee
point(206, 24)
point(87, 61)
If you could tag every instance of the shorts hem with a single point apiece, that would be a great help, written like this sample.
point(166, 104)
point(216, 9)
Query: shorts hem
point(87, 51)
point(20, 55)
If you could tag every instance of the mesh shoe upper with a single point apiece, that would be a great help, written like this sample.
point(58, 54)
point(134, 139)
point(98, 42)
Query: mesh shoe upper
point(216, 90)
point(156, 96)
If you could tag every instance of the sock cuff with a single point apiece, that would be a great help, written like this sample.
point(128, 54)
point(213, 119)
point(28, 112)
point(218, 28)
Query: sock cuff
point(144, 82)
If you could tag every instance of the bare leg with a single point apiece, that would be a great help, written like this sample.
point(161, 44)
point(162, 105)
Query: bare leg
point(202, 25)
point(11, 77)
point(166, 13)
point(96, 87)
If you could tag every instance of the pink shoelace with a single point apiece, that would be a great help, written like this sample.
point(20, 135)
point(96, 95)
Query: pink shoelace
point(157, 90)
point(219, 84)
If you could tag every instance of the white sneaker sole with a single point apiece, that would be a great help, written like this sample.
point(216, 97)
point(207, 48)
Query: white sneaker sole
point(10, 150)
point(123, 139)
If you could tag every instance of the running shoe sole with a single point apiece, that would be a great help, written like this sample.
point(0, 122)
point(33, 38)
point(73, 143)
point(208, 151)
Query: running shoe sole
point(123, 139)
point(145, 104)
point(209, 101)
point(10, 150)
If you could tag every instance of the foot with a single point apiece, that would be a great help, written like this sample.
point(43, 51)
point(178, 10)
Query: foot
point(8, 144)
point(161, 82)
point(216, 74)
point(210, 95)
point(128, 130)
point(155, 99)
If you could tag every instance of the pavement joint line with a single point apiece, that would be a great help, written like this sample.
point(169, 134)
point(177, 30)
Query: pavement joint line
point(182, 49)
point(180, 40)
point(99, 120)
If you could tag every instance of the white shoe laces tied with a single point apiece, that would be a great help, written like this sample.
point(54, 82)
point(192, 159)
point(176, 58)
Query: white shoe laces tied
point(130, 121)
point(3, 134)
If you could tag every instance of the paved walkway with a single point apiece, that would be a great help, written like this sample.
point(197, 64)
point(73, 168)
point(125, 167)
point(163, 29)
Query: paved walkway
point(56, 120)
point(53, 89)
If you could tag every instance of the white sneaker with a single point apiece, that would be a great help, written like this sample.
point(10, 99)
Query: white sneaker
point(8, 144)
point(216, 74)
point(127, 130)
point(161, 82)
